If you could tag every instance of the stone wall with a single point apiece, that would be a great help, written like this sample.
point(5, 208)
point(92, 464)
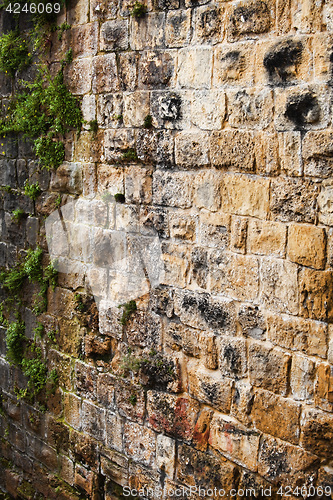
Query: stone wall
point(222, 377)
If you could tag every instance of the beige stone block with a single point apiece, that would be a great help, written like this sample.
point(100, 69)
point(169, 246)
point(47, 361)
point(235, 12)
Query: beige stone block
point(317, 432)
point(85, 40)
point(283, 21)
point(105, 75)
point(306, 15)
point(307, 245)
point(78, 13)
point(245, 195)
point(192, 149)
point(214, 230)
point(209, 350)
point(324, 387)
point(148, 31)
point(234, 440)
point(116, 143)
point(266, 238)
point(178, 28)
point(298, 334)
point(317, 151)
point(182, 226)
point(268, 368)
point(290, 153)
point(321, 56)
point(140, 443)
point(242, 401)
point(233, 148)
point(267, 153)
point(176, 264)
point(250, 109)
point(302, 373)
point(206, 190)
point(172, 189)
point(171, 110)
point(279, 289)
point(209, 387)
point(165, 454)
point(208, 22)
point(110, 179)
point(325, 203)
point(136, 108)
point(103, 9)
point(233, 64)
point(293, 199)
point(249, 18)
point(78, 76)
point(88, 108)
point(208, 109)
point(238, 234)
point(233, 357)
point(128, 69)
point(157, 69)
point(195, 67)
point(316, 294)
point(114, 35)
point(276, 416)
point(114, 431)
point(72, 410)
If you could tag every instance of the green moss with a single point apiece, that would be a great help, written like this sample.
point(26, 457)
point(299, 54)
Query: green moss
point(130, 154)
point(58, 201)
point(148, 122)
point(119, 198)
point(61, 29)
point(14, 342)
point(138, 10)
point(39, 331)
point(17, 215)
point(34, 367)
point(14, 53)
point(32, 190)
point(50, 152)
point(79, 303)
point(129, 309)
point(133, 399)
point(93, 126)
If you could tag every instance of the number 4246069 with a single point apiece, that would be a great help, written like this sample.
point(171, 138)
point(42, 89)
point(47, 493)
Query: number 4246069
point(34, 8)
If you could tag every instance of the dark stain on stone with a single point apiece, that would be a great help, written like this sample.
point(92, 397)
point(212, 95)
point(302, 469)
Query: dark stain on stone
point(251, 18)
point(170, 108)
point(280, 58)
point(303, 109)
point(232, 357)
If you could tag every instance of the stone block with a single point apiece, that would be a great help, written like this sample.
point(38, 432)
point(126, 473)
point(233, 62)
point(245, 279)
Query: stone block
point(242, 401)
point(140, 443)
point(250, 109)
point(176, 264)
point(67, 178)
point(172, 414)
point(238, 234)
point(325, 197)
point(206, 190)
point(324, 387)
point(126, 395)
point(317, 432)
point(78, 13)
point(214, 230)
point(78, 76)
point(283, 463)
point(276, 416)
point(148, 31)
point(251, 321)
point(307, 16)
point(115, 468)
point(233, 64)
point(316, 294)
point(85, 380)
point(89, 149)
point(245, 195)
point(293, 200)
point(171, 110)
point(321, 57)
point(248, 18)
point(317, 152)
point(114, 35)
point(103, 9)
point(208, 24)
point(279, 288)
point(307, 245)
point(209, 387)
point(172, 189)
point(209, 350)
point(104, 74)
point(234, 440)
point(155, 147)
point(267, 153)
point(86, 39)
point(290, 153)
point(114, 431)
point(165, 454)
point(233, 148)
point(195, 67)
point(269, 368)
point(136, 108)
point(110, 179)
point(307, 336)
point(182, 227)
point(85, 479)
point(178, 28)
point(192, 149)
point(233, 357)
point(302, 375)
point(110, 110)
point(266, 238)
point(138, 184)
point(157, 69)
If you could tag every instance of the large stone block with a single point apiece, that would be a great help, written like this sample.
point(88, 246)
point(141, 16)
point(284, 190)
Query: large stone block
point(178, 28)
point(316, 294)
point(192, 149)
point(276, 416)
point(233, 64)
point(233, 357)
point(290, 153)
point(325, 204)
point(250, 109)
point(86, 39)
point(78, 76)
point(248, 18)
point(245, 195)
point(147, 32)
point(307, 245)
point(140, 443)
point(293, 200)
point(317, 152)
point(279, 286)
point(104, 71)
point(114, 35)
point(324, 387)
point(136, 108)
point(195, 67)
point(233, 149)
point(157, 69)
point(172, 189)
point(266, 238)
point(302, 376)
point(317, 432)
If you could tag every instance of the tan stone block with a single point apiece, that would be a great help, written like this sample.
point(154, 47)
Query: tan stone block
point(248, 18)
point(233, 64)
point(165, 454)
point(208, 109)
point(105, 76)
point(195, 67)
point(316, 294)
point(325, 204)
point(116, 470)
point(283, 21)
point(269, 368)
point(147, 32)
point(78, 76)
point(238, 234)
point(250, 109)
point(78, 13)
point(283, 463)
point(324, 387)
point(317, 151)
point(302, 378)
point(176, 263)
point(110, 179)
point(178, 28)
point(234, 440)
point(72, 410)
point(138, 184)
point(140, 443)
point(266, 238)
point(182, 226)
point(321, 57)
point(214, 230)
point(251, 321)
point(233, 148)
point(103, 9)
point(293, 199)
point(317, 432)
point(306, 15)
point(192, 149)
point(290, 153)
point(178, 336)
point(267, 153)
point(276, 416)
point(279, 287)
point(209, 387)
point(233, 357)
point(126, 394)
point(114, 431)
point(206, 190)
point(136, 108)
point(128, 70)
point(171, 110)
point(209, 350)
point(157, 69)
point(245, 195)
point(242, 401)
point(89, 180)
point(307, 245)
point(208, 21)
point(86, 39)
point(297, 334)
point(114, 35)
point(172, 189)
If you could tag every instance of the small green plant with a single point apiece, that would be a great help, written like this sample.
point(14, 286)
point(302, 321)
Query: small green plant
point(58, 201)
point(6, 189)
point(130, 154)
point(32, 190)
point(133, 399)
point(14, 342)
point(34, 367)
point(129, 309)
point(148, 122)
point(138, 10)
point(93, 126)
point(51, 334)
point(52, 380)
point(39, 331)
point(50, 151)
point(130, 363)
point(14, 53)
point(119, 198)
point(79, 302)
point(17, 215)
point(119, 117)
point(61, 29)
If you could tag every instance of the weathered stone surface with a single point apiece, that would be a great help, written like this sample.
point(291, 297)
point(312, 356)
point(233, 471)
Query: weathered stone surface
point(233, 64)
point(316, 295)
point(293, 199)
point(307, 245)
point(178, 28)
point(279, 289)
point(192, 149)
point(140, 443)
point(325, 197)
point(317, 154)
point(324, 387)
point(317, 429)
point(172, 189)
point(248, 18)
point(266, 238)
point(234, 440)
point(245, 195)
point(147, 32)
point(114, 35)
point(276, 416)
point(208, 109)
point(250, 109)
point(242, 402)
point(210, 387)
point(233, 149)
point(233, 357)
point(104, 73)
point(302, 375)
point(194, 67)
point(165, 453)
